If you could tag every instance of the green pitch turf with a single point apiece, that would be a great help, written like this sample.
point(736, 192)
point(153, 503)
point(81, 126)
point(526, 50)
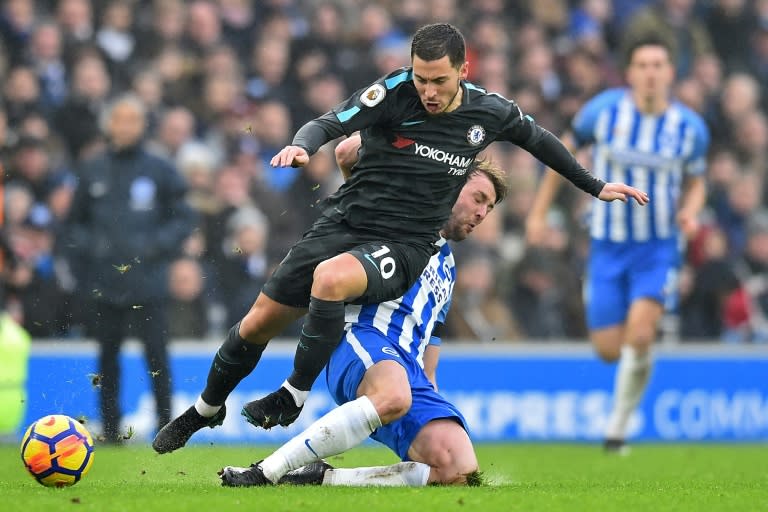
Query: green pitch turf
point(521, 477)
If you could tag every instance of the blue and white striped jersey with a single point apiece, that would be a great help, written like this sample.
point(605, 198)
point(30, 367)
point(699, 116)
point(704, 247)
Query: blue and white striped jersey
point(653, 153)
point(409, 320)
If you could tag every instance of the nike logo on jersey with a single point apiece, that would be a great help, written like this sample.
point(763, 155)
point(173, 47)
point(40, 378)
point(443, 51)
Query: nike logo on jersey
point(401, 142)
point(411, 123)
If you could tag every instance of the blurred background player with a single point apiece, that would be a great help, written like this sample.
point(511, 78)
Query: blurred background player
point(383, 376)
point(641, 135)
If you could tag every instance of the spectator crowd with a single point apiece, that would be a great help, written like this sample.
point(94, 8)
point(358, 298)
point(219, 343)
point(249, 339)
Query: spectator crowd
point(226, 83)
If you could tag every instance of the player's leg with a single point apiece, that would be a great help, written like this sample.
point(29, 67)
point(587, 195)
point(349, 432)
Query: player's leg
point(369, 273)
point(335, 281)
point(634, 368)
point(233, 361)
point(606, 296)
point(382, 395)
point(108, 329)
point(430, 438)
point(652, 284)
point(446, 448)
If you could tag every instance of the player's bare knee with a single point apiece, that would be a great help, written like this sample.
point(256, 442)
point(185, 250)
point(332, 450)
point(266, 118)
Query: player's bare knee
point(392, 404)
point(328, 283)
point(448, 469)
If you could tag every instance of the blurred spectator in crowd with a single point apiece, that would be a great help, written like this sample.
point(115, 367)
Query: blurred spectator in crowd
point(245, 267)
point(477, 313)
point(743, 200)
point(203, 29)
point(147, 84)
point(30, 167)
point(540, 297)
point(17, 19)
point(176, 127)
point(167, 19)
point(187, 307)
point(40, 302)
point(75, 17)
point(740, 96)
point(45, 53)
point(272, 129)
point(21, 93)
point(78, 118)
point(128, 222)
point(731, 24)
point(751, 306)
point(116, 40)
point(268, 71)
point(706, 288)
point(673, 20)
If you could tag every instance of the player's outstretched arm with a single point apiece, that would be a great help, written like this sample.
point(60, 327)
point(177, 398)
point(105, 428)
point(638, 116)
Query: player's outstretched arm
point(308, 140)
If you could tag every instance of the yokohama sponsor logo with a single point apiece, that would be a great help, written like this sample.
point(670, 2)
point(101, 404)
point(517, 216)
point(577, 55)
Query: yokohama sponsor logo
point(441, 156)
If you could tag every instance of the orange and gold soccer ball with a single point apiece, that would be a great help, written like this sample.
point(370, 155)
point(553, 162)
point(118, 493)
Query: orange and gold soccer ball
point(57, 450)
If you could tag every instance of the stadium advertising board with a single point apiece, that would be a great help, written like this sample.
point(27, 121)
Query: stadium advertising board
point(506, 395)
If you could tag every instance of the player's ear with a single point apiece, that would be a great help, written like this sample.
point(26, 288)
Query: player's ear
point(464, 70)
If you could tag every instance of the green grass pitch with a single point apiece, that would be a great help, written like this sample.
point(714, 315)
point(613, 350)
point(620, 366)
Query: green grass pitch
point(521, 477)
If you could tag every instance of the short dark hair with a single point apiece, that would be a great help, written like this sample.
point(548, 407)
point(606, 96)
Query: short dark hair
point(435, 41)
point(495, 174)
point(650, 39)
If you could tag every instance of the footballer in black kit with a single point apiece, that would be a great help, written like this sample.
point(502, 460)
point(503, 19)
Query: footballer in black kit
point(411, 168)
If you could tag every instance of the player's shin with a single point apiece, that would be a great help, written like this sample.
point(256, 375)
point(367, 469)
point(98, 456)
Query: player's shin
point(632, 377)
point(341, 429)
point(319, 337)
point(235, 360)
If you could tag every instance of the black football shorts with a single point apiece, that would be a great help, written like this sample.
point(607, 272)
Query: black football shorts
point(391, 266)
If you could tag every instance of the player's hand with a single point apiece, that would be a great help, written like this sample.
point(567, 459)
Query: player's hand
point(292, 156)
point(536, 228)
point(622, 192)
point(688, 223)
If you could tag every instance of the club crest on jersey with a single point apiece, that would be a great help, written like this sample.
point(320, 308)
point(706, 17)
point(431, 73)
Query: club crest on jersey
point(476, 135)
point(373, 95)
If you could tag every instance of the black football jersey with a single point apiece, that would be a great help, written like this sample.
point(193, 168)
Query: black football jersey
point(412, 165)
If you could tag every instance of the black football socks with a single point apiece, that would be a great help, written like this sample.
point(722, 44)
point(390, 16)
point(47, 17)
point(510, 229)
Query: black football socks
point(320, 335)
point(235, 360)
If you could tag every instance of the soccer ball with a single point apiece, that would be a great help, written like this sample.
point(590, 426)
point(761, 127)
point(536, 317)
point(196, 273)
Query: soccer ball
point(57, 450)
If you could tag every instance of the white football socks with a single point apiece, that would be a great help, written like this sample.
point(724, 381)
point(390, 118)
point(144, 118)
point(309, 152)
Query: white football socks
point(632, 377)
point(403, 474)
point(341, 429)
point(205, 410)
point(299, 396)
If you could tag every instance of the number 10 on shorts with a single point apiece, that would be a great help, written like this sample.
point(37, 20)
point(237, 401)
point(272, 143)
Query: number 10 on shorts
point(386, 264)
